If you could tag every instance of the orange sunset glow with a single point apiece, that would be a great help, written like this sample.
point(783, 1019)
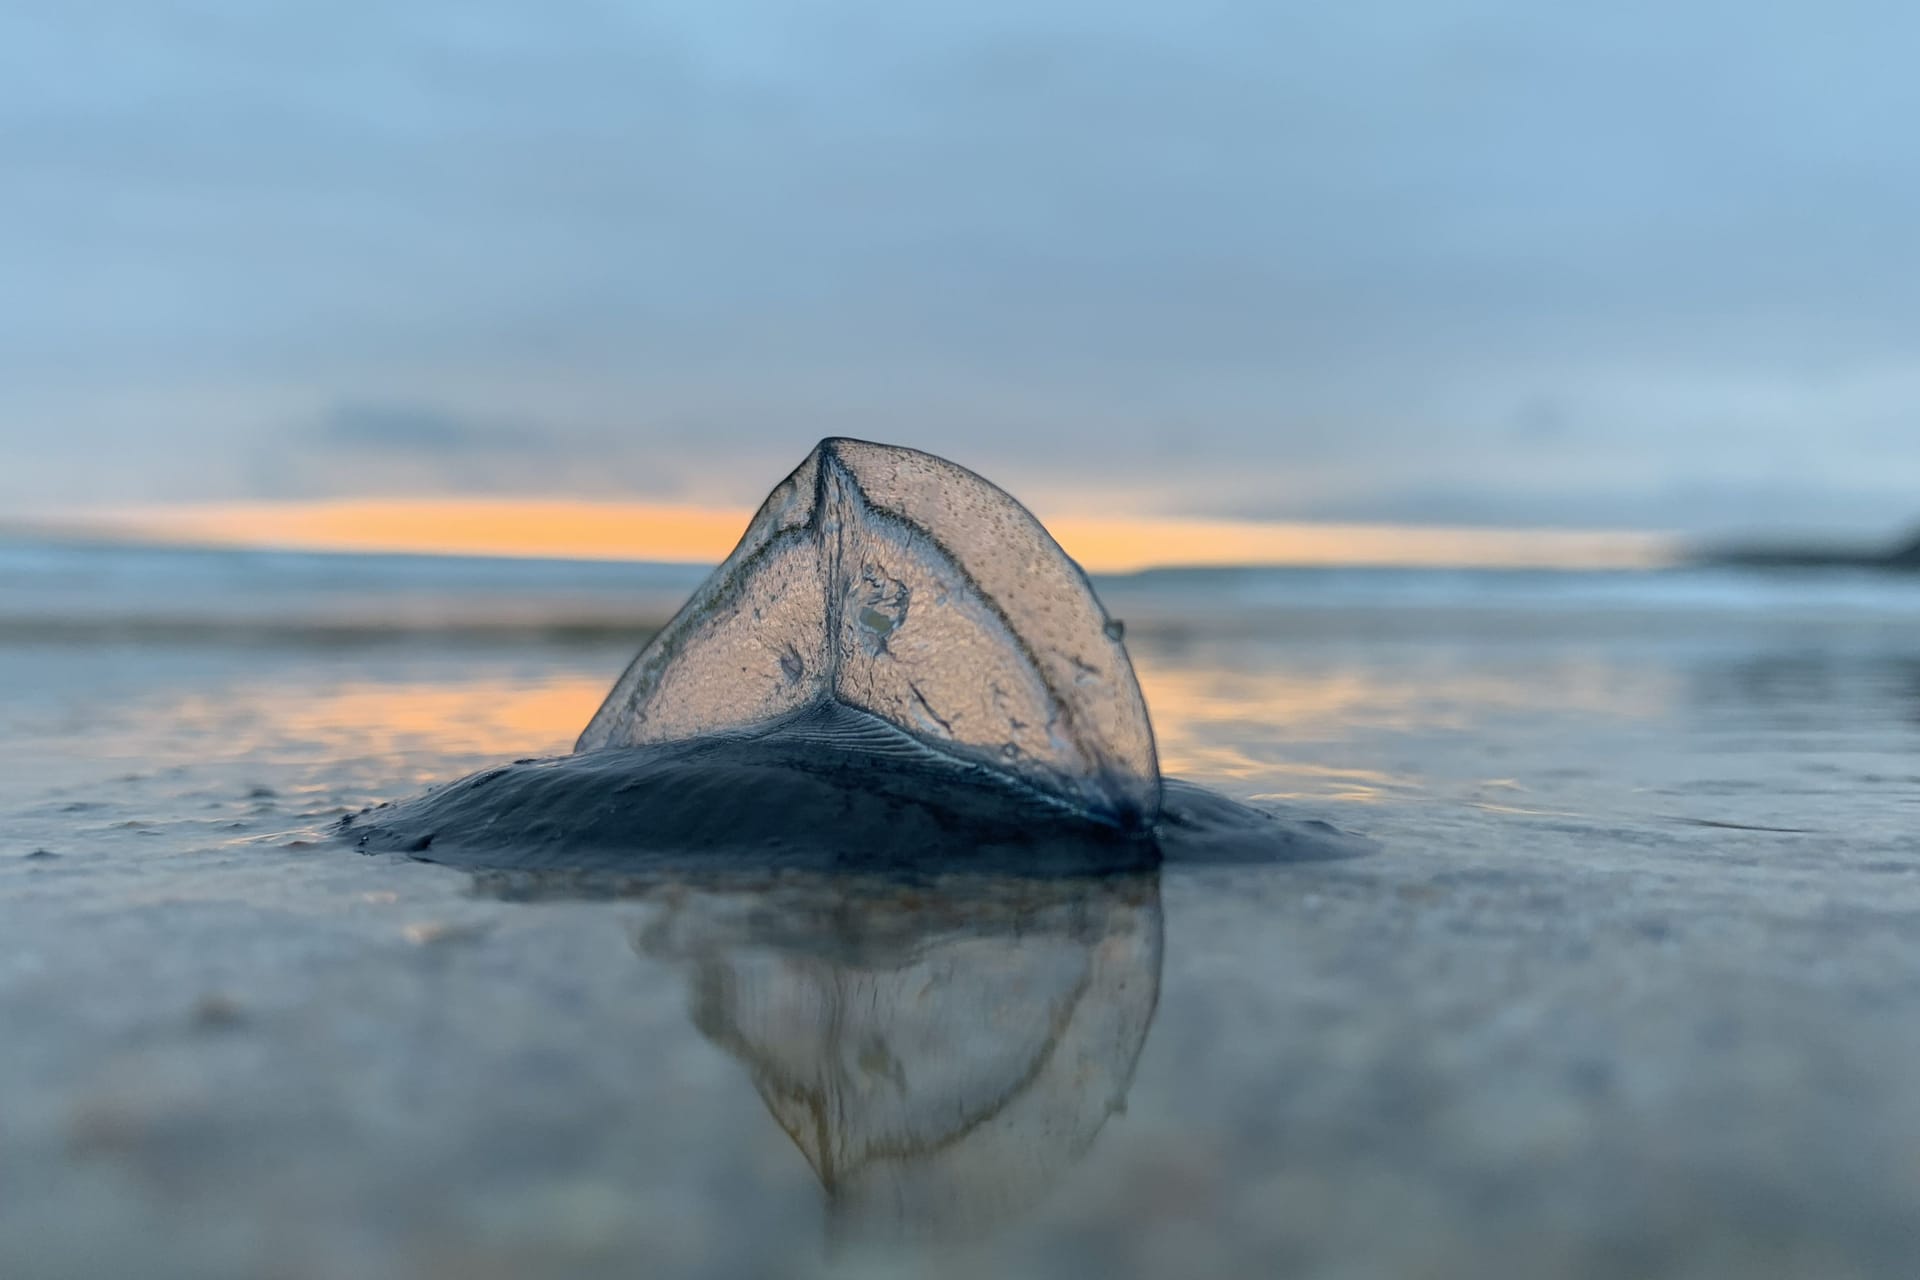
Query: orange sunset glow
point(693, 534)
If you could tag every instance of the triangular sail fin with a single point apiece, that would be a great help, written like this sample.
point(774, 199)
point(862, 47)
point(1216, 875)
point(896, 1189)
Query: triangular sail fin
point(905, 586)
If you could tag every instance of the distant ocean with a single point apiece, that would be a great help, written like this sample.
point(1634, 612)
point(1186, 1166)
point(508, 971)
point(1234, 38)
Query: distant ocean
point(77, 591)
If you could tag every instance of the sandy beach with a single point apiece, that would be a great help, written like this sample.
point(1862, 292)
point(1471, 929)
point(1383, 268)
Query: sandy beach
point(1628, 991)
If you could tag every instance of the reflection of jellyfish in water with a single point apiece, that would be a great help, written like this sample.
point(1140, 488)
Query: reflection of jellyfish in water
point(942, 1056)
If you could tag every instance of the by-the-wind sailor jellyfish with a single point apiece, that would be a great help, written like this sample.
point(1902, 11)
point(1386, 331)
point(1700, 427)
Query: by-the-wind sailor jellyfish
point(894, 583)
point(897, 665)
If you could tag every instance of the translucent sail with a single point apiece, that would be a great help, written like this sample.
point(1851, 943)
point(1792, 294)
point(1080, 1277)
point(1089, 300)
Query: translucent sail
point(899, 584)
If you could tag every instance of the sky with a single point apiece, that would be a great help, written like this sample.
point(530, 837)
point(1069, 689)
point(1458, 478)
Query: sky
point(1495, 263)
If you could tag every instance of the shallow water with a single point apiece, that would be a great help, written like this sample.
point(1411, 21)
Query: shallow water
point(1631, 989)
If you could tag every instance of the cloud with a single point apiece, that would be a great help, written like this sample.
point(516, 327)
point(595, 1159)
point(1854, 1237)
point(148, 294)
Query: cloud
point(398, 448)
point(375, 427)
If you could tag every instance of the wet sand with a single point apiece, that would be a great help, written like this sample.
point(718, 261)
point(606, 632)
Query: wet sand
point(1631, 989)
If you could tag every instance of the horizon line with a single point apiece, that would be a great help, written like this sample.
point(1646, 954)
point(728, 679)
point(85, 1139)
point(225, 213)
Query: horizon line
point(680, 533)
